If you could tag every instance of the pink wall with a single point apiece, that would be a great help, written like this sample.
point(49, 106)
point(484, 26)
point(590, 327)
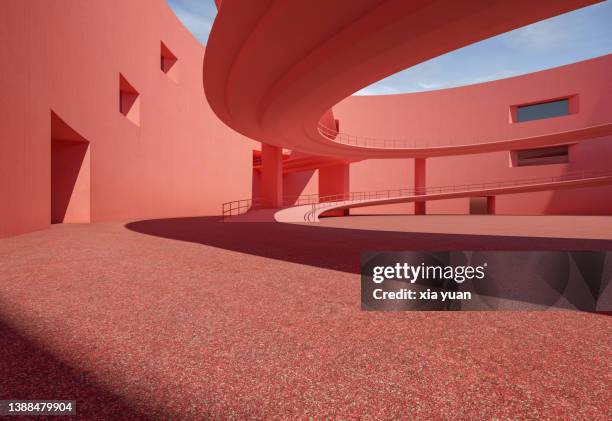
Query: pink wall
point(66, 56)
point(382, 174)
point(482, 111)
point(334, 180)
point(334, 184)
point(398, 173)
point(171, 156)
point(301, 183)
point(295, 184)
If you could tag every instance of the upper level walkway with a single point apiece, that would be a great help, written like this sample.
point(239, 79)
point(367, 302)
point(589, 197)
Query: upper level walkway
point(273, 73)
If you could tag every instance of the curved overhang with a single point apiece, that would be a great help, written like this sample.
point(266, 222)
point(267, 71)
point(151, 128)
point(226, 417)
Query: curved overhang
point(273, 68)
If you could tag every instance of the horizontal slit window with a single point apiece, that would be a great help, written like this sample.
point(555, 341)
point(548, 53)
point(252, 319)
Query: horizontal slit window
point(542, 156)
point(542, 110)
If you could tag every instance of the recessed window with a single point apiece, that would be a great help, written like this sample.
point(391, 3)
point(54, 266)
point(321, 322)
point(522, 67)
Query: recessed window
point(542, 110)
point(540, 156)
point(129, 100)
point(168, 63)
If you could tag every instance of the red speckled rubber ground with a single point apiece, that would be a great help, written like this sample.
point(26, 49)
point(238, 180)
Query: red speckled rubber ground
point(195, 319)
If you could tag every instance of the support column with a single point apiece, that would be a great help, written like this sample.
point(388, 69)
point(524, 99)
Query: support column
point(419, 184)
point(334, 181)
point(271, 176)
point(491, 205)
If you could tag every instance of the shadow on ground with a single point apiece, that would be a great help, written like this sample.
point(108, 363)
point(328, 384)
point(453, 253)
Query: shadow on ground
point(30, 372)
point(341, 248)
point(335, 248)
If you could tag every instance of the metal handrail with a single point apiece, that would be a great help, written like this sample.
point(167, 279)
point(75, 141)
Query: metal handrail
point(317, 201)
point(333, 200)
point(363, 141)
point(241, 206)
point(333, 135)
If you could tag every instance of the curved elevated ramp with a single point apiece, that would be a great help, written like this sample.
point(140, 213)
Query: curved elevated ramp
point(311, 213)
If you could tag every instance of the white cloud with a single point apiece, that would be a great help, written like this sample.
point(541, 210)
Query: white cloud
point(482, 78)
point(377, 89)
point(541, 36)
point(454, 81)
point(427, 86)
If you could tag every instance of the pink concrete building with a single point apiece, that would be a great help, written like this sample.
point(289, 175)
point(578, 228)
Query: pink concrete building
point(548, 124)
point(107, 118)
point(127, 148)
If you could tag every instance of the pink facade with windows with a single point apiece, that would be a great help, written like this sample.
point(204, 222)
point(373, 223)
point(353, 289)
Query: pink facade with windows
point(108, 119)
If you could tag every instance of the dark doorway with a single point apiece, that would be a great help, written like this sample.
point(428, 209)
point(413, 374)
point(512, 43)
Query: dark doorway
point(70, 174)
point(482, 205)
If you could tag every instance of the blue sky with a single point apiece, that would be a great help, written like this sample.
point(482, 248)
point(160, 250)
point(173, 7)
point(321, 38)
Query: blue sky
point(568, 38)
point(196, 15)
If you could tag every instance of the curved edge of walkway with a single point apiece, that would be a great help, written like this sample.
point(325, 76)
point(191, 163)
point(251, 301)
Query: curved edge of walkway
point(311, 213)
